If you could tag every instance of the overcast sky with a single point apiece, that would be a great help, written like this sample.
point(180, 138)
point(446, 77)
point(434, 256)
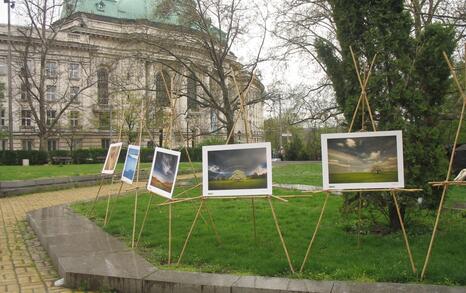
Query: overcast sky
point(292, 73)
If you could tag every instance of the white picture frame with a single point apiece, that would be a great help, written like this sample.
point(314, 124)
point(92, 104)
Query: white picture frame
point(220, 163)
point(362, 160)
point(164, 164)
point(111, 160)
point(131, 164)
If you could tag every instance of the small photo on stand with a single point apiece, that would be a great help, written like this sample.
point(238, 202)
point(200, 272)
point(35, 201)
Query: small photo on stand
point(131, 163)
point(163, 172)
point(112, 158)
point(362, 160)
point(237, 170)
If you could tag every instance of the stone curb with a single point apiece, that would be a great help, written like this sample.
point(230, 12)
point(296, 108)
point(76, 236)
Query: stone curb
point(87, 257)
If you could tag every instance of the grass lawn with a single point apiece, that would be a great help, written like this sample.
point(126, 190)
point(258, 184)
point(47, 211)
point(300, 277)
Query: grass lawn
point(238, 184)
point(335, 254)
point(367, 177)
point(48, 171)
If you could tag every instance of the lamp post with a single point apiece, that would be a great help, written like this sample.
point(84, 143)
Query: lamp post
point(11, 5)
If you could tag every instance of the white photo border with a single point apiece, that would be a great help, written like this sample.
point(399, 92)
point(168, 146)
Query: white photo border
point(110, 172)
point(154, 189)
point(376, 185)
point(126, 179)
point(235, 192)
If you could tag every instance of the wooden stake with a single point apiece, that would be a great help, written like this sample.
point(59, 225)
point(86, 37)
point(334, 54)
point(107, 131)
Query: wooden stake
point(359, 218)
point(254, 219)
point(145, 218)
point(169, 234)
point(306, 257)
point(96, 197)
point(445, 187)
point(190, 232)
point(108, 204)
point(217, 236)
point(280, 235)
point(408, 249)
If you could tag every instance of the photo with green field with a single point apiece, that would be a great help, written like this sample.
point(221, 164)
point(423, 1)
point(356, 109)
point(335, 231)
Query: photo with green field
point(237, 169)
point(164, 171)
point(362, 160)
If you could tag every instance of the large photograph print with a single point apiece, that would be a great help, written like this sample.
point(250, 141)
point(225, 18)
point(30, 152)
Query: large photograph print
point(241, 169)
point(112, 158)
point(163, 172)
point(362, 160)
point(131, 163)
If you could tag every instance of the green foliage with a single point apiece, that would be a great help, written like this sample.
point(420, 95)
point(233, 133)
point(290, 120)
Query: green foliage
point(408, 84)
point(16, 157)
point(296, 150)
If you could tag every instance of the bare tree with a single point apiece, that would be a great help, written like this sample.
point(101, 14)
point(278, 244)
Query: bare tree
point(210, 29)
point(45, 98)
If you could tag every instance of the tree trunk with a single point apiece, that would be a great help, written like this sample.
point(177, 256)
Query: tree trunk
point(42, 143)
point(230, 128)
point(395, 224)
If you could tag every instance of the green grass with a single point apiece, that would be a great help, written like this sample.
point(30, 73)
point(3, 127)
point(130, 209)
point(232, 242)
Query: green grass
point(8, 173)
point(335, 254)
point(363, 177)
point(238, 184)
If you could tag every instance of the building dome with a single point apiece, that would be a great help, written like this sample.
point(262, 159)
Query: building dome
point(119, 9)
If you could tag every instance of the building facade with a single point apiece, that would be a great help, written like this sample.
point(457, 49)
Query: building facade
point(95, 77)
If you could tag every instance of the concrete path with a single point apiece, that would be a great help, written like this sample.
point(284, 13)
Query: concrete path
point(24, 264)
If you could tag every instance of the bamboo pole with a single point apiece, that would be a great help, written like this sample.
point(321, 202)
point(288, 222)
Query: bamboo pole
point(97, 196)
point(408, 249)
point(145, 218)
point(169, 234)
point(190, 232)
point(359, 218)
point(306, 257)
point(107, 219)
point(214, 228)
point(280, 235)
point(445, 187)
point(254, 219)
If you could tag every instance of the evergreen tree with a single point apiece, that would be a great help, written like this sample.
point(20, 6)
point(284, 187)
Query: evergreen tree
point(407, 87)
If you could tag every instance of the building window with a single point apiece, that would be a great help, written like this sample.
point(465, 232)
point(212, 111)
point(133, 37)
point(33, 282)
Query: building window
point(2, 90)
point(105, 143)
point(74, 70)
point(104, 120)
point(102, 86)
point(3, 144)
point(76, 144)
point(2, 117)
point(74, 94)
point(191, 93)
point(52, 145)
point(51, 69)
point(27, 144)
point(51, 115)
point(213, 120)
point(3, 68)
point(26, 117)
point(24, 92)
point(162, 85)
point(74, 119)
point(51, 93)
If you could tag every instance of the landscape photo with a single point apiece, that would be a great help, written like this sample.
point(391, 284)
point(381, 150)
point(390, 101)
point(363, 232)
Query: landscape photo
point(112, 158)
point(243, 169)
point(131, 163)
point(363, 159)
point(164, 171)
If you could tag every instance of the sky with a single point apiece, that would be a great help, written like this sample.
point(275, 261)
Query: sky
point(362, 154)
point(165, 167)
point(250, 161)
point(292, 73)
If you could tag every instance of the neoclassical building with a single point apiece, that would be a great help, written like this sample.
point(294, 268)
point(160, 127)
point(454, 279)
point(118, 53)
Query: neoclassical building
point(97, 74)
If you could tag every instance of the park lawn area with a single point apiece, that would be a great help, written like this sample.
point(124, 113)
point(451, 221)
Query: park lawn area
point(238, 184)
point(8, 173)
point(334, 256)
point(363, 177)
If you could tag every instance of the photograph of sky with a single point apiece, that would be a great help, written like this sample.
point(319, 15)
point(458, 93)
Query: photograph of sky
point(362, 159)
point(131, 163)
point(237, 169)
point(164, 171)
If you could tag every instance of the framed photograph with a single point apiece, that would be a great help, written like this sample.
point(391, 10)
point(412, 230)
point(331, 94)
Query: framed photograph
point(112, 158)
point(131, 163)
point(239, 169)
point(362, 160)
point(163, 172)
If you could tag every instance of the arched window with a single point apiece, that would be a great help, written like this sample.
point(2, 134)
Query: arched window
point(162, 83)
point(191, 93)
point(102, 85)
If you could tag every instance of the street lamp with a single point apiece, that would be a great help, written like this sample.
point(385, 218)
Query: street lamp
point(11, 5)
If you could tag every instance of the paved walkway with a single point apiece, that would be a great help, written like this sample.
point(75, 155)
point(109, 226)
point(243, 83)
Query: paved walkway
point(24, 264)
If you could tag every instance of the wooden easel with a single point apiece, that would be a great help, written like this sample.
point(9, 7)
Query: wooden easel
point(363, 102)
point(445, 184)
point(203, 199)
